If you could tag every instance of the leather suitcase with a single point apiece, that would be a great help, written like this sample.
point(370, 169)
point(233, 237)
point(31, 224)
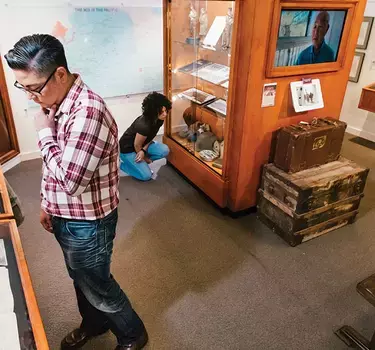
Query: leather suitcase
point(307, 145)
point(314, 188)
point(295, 228)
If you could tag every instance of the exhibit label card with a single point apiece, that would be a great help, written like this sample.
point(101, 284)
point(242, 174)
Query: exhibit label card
point(269, 95)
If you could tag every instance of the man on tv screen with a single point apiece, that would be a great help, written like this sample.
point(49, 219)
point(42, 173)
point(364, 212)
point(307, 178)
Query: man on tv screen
point(319, 51)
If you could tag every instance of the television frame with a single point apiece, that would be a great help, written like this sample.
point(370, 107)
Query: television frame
point(274, 72)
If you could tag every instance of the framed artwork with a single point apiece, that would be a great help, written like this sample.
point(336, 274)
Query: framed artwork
point(355, 71)
point(306, 95)
point(364, 34)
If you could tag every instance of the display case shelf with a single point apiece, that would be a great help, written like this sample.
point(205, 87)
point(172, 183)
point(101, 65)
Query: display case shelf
point(217, 49)
point(202, 82)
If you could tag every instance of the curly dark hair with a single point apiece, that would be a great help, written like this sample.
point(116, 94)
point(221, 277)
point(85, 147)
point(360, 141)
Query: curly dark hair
point(153, 104)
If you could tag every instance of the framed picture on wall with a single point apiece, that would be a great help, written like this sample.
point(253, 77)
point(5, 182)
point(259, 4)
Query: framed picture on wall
point(355, 71)
point(364, 34)
point(306, 95)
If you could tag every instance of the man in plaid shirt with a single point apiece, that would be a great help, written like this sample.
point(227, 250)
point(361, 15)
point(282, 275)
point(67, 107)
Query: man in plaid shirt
point(79, 196)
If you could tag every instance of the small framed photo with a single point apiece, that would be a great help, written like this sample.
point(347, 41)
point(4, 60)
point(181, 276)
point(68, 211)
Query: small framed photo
point(355, 71)
point(364, 34)
point(307, 95)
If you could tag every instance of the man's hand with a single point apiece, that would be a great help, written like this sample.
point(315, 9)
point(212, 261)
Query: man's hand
point(45, 119)
point(46, 221)
point(147, 160)
point(140, 156)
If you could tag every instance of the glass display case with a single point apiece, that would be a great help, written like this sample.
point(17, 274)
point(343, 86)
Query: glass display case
point(199, 60)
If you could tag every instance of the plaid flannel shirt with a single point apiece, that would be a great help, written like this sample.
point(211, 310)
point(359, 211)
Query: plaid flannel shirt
point(80, 158)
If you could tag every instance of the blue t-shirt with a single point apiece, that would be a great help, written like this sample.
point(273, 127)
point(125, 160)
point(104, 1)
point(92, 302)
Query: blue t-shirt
point(325, 54)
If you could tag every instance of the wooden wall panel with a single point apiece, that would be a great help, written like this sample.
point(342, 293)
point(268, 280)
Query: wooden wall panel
point(250, 146)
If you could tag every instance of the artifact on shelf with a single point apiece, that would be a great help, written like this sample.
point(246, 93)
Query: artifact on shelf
point(222, 149)
point(202, 127)
point(214, 73)
point(184, 133)
point(197, 96)
point(192, 136)
point(216, 147)
point(194, 66)
point(203, 21)
point(218, 163)
point(208, 155)
point(214, 33)
point(205, 141)
point(189, 116)
point(219, 106)
point(193, 19)
point(227, 33)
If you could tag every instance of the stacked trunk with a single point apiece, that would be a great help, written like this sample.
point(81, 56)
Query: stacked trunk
point(310, 190)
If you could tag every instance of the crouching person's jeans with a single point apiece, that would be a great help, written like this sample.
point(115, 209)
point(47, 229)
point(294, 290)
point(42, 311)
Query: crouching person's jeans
point(87, 248)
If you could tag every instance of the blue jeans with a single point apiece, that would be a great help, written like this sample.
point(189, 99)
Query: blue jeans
point(141, 170)
point(87, 247)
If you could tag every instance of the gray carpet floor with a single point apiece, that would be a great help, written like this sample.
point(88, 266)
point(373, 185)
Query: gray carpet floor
point(202, 280)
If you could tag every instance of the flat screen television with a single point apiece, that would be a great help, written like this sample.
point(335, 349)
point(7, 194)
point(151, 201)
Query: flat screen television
point(309, 36)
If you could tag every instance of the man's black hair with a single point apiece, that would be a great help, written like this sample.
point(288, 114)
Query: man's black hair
point(41, 53)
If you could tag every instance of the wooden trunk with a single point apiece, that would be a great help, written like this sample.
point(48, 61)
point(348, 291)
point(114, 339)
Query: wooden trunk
point(291, 222)
point(307, 145)
point(296, 229)
point(314, 188)
point(296, 238)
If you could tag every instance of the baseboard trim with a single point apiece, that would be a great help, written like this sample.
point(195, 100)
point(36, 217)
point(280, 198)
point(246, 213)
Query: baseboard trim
point(358, 132)
point(30, 155)
point(11, 163)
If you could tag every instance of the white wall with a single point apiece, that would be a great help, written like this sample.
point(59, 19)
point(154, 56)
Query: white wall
point(360, 122)
point(124, 109)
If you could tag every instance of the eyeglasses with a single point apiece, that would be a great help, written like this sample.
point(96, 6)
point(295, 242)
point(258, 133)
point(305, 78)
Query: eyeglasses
point(36, 92)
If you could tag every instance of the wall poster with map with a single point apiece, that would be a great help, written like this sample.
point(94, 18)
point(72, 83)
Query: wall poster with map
point(118, 50)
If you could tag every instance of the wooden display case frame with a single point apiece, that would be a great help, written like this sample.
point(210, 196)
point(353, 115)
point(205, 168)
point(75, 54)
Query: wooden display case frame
point(213, 182)
point(8, 212)
point(28, 291)
point(15, 149)
point(273, 71)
